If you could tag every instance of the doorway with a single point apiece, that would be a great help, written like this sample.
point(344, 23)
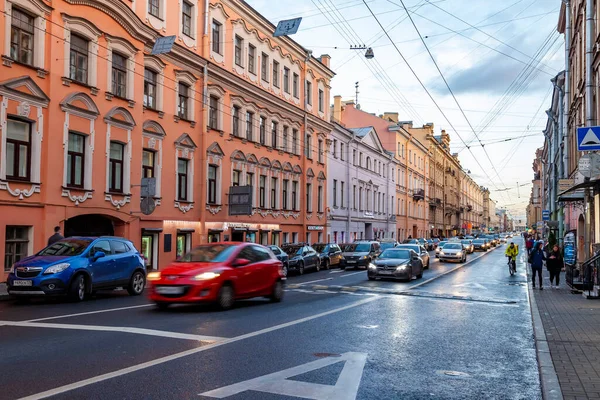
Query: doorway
point(580, 238)
point(237, 236)
point(149, 250)
point(89, 225)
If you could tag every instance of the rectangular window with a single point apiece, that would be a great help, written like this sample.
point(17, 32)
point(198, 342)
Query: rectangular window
point(342, 151)
point(236, 121)
point(249, 179)
point(119, 75)
point(321, 152)
point(274, 127)
point(335, 192)
point(360, 199)
point(295, 85)
point(186, 18)
point(239, 45)
point(321, 100)
point(275, 74)
point(212, 113)
point(149, 88)
point(249, 125)
point(307, 146)
point(115, 168)
point(148, 163)
point(216, 37)
point(284, 197)
point(21, 37)
point(18, 150)
point(286, 79)
point(16, 244)
point(235, 181)
point(154, 8)
point(183, 96)
point(295, 195)
point(182, 179)
point(75, 160)
point(354, 197)
point(252, 59)
point(294, 141)
point(212, 184)
point(353, 157)
point(261, 191)
point(78, 59)
point(320, 198)
point(264, 67)
point(334, 153)
point(273, 193)
point(308, 197)
point(262, 128)
point(284, 145)
point(342, 194)
point(308, 92)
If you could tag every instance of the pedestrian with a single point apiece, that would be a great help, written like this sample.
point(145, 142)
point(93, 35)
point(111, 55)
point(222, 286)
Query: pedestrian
point(410, 236)
point(555, 264)
point(536, 259)
point(56, 237)
point(529, 245)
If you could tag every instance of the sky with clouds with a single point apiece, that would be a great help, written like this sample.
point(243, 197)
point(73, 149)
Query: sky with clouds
point(497, 57)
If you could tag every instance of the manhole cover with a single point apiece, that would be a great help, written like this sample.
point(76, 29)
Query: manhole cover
point(326, 355)
point(453, 373)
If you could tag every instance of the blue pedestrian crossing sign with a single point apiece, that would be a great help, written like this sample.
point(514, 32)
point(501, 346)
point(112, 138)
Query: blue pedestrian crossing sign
point(588, 138)
point(546, 215)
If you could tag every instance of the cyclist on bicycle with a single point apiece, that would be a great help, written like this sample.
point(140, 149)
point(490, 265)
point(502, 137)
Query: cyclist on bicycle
point(511, 252)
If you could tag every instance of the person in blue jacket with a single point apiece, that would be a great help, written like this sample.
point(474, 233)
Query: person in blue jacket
point(536, 259)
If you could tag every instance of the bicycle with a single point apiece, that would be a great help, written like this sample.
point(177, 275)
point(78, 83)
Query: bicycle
point(512, 265)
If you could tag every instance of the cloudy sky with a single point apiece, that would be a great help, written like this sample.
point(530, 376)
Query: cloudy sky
point(497, 57)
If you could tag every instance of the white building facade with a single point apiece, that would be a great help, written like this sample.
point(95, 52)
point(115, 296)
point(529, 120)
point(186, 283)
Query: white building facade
point(361, 186)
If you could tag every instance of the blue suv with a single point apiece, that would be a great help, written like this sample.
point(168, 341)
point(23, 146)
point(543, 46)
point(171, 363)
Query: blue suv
point(77, 266)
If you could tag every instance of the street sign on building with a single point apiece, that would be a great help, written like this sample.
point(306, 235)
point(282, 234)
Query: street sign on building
point(148, 187)
point(588, 138)
point(240, 200)
point(287, 27)
point(585, 166)
point(163, 45)
point(565, 184)
point(546, 215)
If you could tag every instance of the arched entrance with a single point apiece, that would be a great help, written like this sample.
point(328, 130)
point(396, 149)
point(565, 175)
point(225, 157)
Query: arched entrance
point(580, 237)
point(89, 225)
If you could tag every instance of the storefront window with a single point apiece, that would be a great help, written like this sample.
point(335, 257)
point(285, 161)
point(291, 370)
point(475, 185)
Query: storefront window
point(147, 250)
point(264, 238)
point(214, 237)
point(183, 243)
point(251, 237)
point(275, 238)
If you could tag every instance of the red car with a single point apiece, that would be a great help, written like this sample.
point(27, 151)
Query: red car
point(221, 273)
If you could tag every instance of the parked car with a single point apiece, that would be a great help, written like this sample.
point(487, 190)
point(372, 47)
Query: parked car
point(439, 248)
point(422, 242)
point(480, 245)
point(330, 254)
point(78, 266)
point(396, 263)
point(302, 257)
point(385, 244)
point(453, 252)
point(436, 242)
point(421, 252)
point(410, 241)
point(468, 245)
point(359, 254)
point(281, 256)
point(221, 273)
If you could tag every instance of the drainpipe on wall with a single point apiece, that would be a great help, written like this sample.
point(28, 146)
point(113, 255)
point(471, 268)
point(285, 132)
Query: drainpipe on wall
point(202, 194)
point(589, 112)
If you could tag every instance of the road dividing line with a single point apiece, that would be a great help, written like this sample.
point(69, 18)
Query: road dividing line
point(318, 280)
point(354, 273)
point(162, 360)
point(89, 313)
point(120, 329)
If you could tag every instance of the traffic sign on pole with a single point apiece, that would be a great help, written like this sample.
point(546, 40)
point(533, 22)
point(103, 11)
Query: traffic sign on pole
point(546, 215)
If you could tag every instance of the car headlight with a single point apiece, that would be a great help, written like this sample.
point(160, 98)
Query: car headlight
point(364, 257)
point(372, 267)
point(55, 269)
point(153, 276)
point(206, 276)
point(401, 267)
point(441, 253)
point(12, 269)
point(459, 253)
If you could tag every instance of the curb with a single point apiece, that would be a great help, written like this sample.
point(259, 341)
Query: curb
point(549, 380)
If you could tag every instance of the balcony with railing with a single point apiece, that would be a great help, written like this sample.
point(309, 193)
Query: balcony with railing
point(418, 194)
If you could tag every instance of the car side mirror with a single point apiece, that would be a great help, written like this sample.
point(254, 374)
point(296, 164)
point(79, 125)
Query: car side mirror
point(97, 255)
point(240, 262)
point(305, 253)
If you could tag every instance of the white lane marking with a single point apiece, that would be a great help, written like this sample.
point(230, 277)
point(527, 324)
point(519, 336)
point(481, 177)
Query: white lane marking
point(121, 329)
point(337, 271)
point(89, 313)
point(354, 273)
point(318, 280)
point(471, 285)
point(162, 360)
point(346, 386)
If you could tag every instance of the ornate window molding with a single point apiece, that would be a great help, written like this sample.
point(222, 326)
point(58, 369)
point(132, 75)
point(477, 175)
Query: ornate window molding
point(127, 123)
point(185, 148)
point(126, 49)
point(157, 65)
point(189, 41)
point(160, 22)
point(89, 31)
point(190, 80)
point(152, 138)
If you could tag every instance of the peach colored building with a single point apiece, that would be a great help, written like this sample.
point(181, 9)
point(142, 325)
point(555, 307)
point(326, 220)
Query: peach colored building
point(86, 112)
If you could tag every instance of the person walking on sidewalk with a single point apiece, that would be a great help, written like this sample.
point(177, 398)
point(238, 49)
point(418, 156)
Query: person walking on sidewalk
point(554, 263)
point(56, 237)
point(529, 245)
point(536, 259)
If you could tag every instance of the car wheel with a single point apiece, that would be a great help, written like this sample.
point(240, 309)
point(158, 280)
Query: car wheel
point(77, 288)
point(277, 294)
point(226, 297)
point(326, 264)
point(137, 283)
point(420, 275)
point(161, 306)
point(318, 267)
point(428, 262)
point(410, 275)
point(301, 269)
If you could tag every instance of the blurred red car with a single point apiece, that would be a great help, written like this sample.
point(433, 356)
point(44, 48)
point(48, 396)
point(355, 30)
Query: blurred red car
point(221, 273)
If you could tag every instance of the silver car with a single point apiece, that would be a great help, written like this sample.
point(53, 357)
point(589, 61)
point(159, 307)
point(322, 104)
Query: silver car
point(420, 250)
point(396, 263)
point(453, 252)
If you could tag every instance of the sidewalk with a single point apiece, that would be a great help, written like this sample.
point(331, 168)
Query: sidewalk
point(572, 329)
point(3, 292)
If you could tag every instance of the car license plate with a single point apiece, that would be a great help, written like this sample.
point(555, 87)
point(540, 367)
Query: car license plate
point(386, 272)
point(169, 289)
point(351, 262)
point(22, 283)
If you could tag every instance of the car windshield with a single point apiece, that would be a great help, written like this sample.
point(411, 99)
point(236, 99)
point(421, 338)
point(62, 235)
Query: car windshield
point(395, 253)
point(441, 244)
point(319, 247)
point(66, 247)
point(208, 253)
point(385, 246)
point(275, 249)
point(467, 242)
point(358, 248)
point(292, 250)
point(479, 241)
point(453, 246)
point(414, 247)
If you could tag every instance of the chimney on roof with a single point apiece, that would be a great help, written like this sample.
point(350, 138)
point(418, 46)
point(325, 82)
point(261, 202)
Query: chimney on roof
point(350, 104)
point(325, 59)
point(406, 124)
point(337, 108)
point(391, 116)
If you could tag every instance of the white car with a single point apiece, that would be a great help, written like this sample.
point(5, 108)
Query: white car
point(453, 252)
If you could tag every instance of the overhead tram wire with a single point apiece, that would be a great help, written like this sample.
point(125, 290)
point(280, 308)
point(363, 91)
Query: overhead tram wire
point(428, 93)
point(450, 90)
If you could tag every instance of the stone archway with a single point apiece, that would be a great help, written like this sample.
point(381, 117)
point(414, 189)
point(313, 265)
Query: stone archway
point(90, 225)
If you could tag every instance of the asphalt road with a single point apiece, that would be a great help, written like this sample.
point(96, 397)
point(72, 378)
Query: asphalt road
point(463, 331)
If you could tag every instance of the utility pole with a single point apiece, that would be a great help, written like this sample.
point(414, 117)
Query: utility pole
point(356, 98)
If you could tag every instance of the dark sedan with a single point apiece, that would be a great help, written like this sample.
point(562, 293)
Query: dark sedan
point(302, 257)
point(281, 256)
point(396, 263)
point(420, 250)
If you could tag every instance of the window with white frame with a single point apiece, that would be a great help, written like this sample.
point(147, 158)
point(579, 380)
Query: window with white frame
point(76, 160)
point(286, 80)
point(150, 82)
point(295, 196)
point(182, 179)
point(295, 82)
point(251, 59)
point(78, 59)
point(217, 31)
point(250, 125)
point(120, 71)
point(308, 146)
point(274, 133)
point(213, 109)
point(119, 75)
point(154, 8)
point(22, 36)
point(239, 48)
point(262, 130)
point(309, 197)
point(264, 67)
point(320, 198)
point(212, 184)
point(295, 141)
point(275, 74)
point(274, 193)
point(235, 124)
point(321, 100)
point(285, 137)
point(187, 18)
point(18, 149)
point(320, 149)
point(308, 93)
point(25, 32)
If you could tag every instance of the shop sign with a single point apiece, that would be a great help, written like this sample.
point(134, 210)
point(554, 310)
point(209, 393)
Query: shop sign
point(315, 227)
point(565, 184)
point(368, 214)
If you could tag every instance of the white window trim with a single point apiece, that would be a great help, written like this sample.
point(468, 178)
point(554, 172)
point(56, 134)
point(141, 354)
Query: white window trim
point(125, 49)
point(155, 142)
point(38, 9)
point(188, 154)
point(187, 40)
point(159, 23)
point(155, 64)
point(126, 162)
point(218, 14)
point(190, 80)
point(87, 30)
